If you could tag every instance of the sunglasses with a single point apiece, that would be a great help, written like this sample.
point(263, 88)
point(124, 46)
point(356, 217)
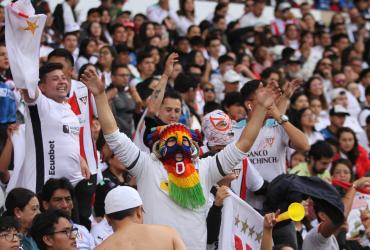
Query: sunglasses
point(208, 90)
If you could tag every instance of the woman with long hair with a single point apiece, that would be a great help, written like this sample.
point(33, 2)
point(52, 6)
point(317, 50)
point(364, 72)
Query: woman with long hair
point(305, 121)
point(23, 205)
point(184, 17)
point(87, 54)
point(349, 148)
point(315, 88)
point(105, 61)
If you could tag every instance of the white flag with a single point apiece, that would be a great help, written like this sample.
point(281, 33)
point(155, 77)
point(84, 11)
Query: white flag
point(241, 225)
point(23, 30)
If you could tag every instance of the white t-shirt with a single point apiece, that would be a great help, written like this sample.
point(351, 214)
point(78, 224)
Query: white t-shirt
point(84, 239)
point(267, 155)
point(101, 231)
point(314, 240)
point(82, 103)
point(250, 19)
point(52, 144)
point(156, 14)
point(159, 208)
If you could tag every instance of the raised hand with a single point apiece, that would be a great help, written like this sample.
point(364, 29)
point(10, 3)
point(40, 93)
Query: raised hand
point(92, 81)
point(171, 60)
point(290, 87)
point(266, 96)
point(269, 220)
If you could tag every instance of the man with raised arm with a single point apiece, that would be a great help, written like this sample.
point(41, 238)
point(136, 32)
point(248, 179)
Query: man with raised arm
point(172, 181)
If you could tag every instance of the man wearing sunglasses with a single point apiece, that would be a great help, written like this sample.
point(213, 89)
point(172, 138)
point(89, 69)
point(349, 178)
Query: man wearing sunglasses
point(53, 230)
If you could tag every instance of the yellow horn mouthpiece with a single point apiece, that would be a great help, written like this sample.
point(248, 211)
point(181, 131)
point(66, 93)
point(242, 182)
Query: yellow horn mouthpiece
point(295, 213)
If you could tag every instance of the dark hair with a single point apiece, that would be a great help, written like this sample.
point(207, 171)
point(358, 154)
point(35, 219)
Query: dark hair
point(142, 56)
point(62, 53)
point(120, 215)
point(18, 198)
point(209, 39)
point(94, 10)
point(338, 37)
point(185, 82)
point(8, 223)
point(196, 41)
point(191, 27)
point(115, 26)
point(232, 98)
point(54, 184)
point(309, 94)
point(115, 67)
point(249, 89)
point(266, 73)
point(353, 154)
point(83, 68)
point(142, 33)
point(297, 117)
point(122, 48)
point(295, 96)
point(173, 95)
point(143, 88)
point(320, 149)
point(73, 33)
point(211, 106)
point(83, 47)
point(363, 74)
point(367, 90)
point(101, 37)
point(44, 224)
point(181, 11)
point(225, 58)
point(47, 68)
point(344, 162)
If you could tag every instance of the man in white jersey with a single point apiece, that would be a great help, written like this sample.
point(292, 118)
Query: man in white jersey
point(82, 103)
point(164, 178)
point(268, 153)
point(52, 133)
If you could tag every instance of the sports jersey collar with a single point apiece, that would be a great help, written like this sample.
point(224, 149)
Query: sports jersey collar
point(270, 122)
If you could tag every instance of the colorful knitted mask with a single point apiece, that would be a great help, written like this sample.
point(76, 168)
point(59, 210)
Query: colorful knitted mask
point(175, 148)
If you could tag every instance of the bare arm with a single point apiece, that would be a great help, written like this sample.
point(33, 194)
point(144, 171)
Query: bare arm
point(178, 244)
point(157, 97)
point(351, 192)
point(297, 138)
point(5, 159)
point(269, 222)
point(96, 86)
point(265, 98)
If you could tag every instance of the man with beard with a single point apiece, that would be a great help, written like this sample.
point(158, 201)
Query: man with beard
point(319, 159)
point(172, 181)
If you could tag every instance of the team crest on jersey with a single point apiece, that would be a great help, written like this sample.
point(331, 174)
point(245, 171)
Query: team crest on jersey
point(83, 99)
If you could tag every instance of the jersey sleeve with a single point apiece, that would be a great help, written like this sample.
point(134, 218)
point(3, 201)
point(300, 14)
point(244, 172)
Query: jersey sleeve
point(128, 153)
point(42, 103)
point(223, 162)
point(254, 179)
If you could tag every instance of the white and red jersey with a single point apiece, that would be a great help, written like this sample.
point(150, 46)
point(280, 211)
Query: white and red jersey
point(52, 144)
point(83, 105)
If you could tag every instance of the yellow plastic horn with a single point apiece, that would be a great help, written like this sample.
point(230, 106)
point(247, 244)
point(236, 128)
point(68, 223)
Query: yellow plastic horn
point(295, 213)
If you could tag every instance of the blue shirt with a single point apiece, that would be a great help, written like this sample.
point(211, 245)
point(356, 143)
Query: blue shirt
point(8, 108)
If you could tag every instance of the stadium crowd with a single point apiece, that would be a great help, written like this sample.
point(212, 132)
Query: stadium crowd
point(275, 109)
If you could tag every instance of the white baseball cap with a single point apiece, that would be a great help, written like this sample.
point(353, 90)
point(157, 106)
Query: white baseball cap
point(231, 76)
point(122, 198)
